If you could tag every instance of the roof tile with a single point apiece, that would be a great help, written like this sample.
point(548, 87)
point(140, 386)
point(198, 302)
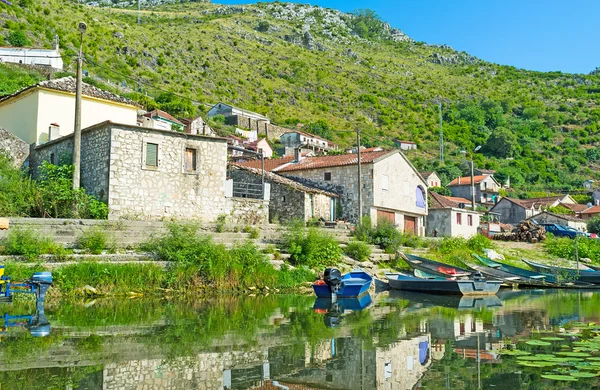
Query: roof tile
point(466, 180)
point(332, 161)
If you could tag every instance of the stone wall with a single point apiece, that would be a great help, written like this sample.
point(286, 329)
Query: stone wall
point(16, 148)
point(264, 129)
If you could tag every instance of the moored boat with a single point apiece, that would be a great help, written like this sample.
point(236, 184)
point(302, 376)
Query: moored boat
point(434, 267)
point(402, 281)
point(508, 277)
point(351, 285)
point(567, 274)
point(515, 270)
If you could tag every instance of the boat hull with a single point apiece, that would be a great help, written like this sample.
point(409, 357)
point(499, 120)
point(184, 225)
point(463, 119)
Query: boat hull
point(584, 276)
point(434, 267)
point(434, 286)
point(354, 284)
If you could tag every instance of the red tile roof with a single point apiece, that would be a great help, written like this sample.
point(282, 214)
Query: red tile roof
point(536, 202)
point(443, 202)
point(333, 161)
point(270, 163)
point(162, 114)
point(463, 181)
point(575, 207)
point(592, 210)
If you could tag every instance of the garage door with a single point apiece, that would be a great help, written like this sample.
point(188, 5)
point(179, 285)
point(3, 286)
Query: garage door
point(410, 225)
point(390, 216)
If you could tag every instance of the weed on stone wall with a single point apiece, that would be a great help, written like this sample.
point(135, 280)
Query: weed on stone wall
point(310, 246)
point(29, 244)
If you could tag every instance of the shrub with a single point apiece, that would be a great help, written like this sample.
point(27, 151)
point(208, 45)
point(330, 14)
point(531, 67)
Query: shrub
point(310, 246)
point(26, 243)
point(18, 38)
point(254, 231)
point(593, 225)
point(358, 250)
point(387, 236)
point(364, 230)
point(478, 243)
point(95, 240)
point(565, 247)
point(18, 194)
point(221, 222)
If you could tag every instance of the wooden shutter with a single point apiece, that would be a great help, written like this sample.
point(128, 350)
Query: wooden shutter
point(189, 160)
point(152, 155)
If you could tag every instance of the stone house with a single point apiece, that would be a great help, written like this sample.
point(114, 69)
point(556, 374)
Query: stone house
point(15, 148)
point(289, 199)
point(592, 212)
point(197, 126)
point(160, 120)
point(151, 174)
point(451, 217)
point(560, 219)
point(486, 189)
point(432, 179)
point(300, 139)
point(392, 188)
point(46, 111)
point(229, 111)
point(513, 210)
point(33, 56)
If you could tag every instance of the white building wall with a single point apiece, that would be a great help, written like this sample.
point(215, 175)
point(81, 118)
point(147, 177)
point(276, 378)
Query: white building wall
point(23, 55)
point(20, 116)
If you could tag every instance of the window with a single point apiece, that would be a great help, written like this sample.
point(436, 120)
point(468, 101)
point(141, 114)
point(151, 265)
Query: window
point(459, 218)
point(384, 182)
point(52, 159)
point(190, 160)
point(151, 155)
point(327, 176)
point(470, 220)
point(420, 194)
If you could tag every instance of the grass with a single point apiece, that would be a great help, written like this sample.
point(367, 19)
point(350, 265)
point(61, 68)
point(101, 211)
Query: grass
point(96, 240)
point(27, 243)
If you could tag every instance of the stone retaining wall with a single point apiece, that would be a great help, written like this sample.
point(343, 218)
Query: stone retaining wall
point(16, 148)
point(268, 130)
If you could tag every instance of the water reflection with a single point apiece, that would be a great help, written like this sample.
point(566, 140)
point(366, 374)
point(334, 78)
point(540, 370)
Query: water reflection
point(399, 341)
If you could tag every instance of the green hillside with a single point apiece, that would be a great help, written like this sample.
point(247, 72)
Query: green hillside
point(335, 72)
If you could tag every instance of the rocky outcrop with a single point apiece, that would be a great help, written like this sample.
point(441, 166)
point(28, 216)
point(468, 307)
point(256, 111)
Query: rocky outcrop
point(453, 59)
point(595, 71)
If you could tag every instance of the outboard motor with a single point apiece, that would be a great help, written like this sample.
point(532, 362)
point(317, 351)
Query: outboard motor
point(41, 281)
point(333, 317)
point(333, 279)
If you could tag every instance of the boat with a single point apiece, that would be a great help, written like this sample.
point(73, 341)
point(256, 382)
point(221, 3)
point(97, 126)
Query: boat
point(508, 277)
point(351, 285)
point(567, 274)
point(434, 267)
point(515, 270)
point(406, 282)
point(344, 304)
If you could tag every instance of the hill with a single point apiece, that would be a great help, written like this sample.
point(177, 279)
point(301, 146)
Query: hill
point(336, 72)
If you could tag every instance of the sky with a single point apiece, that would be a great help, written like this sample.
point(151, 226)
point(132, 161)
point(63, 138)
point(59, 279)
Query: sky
point(543, 35)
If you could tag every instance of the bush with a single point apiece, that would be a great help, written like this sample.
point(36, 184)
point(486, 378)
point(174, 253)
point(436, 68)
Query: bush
point(254, 231)
point(95, 240)
point(18, 193)
point(358, 250)
point(387, 236)
point(593, 225)
point(565, 247)
point(26, 243)
point(311, 247)
point(221, 223)
point(18, 38)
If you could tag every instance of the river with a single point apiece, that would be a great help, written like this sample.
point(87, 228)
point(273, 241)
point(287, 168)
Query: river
point(399, 341)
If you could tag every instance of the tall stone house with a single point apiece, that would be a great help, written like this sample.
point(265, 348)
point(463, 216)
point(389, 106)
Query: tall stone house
point(46, 111)
point(513, 210)
point(306, 141)
point(152, 174)
point(486, 189)
point(451, 217)
point(391, 186)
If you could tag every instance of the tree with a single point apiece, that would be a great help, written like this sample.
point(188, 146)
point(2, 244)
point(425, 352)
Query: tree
point(367, 24)
point(18, 38)
point(440, 190)
point(502, 143)
point(320, 128)
point(593, 225)
point(263, 26)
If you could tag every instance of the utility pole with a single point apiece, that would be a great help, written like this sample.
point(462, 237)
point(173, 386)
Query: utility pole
point(139, 18)
point(472, 184)
point(441, 134)
point(77, 129)
point(359, 177)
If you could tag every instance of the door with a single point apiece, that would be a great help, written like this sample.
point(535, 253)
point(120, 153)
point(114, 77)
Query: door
point(390, 216)
point(410, 225)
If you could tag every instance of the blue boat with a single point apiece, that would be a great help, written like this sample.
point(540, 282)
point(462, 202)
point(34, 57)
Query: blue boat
point(351, 304)
point(351, 285)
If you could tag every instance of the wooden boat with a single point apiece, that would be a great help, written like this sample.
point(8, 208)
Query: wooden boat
point(353, 284)
point(567, 274)
point(402, 281)
point(515, 270)
point(508, 277)
point(434, 267)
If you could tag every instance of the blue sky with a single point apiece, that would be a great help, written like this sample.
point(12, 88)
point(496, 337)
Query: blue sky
point(542, 35)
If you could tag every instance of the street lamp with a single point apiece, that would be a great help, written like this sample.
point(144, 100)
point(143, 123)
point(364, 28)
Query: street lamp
point(77, 130)
point(472, 175)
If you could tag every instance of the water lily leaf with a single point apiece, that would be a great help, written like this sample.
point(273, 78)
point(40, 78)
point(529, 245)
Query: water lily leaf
point(584, 374)
point(574, 354)
point(565, 359)
point(552, 338)
point(532, 358)
point(514, 352)
point(536, 364)
point(594, 358)
point(559, 377)
point(539, 343)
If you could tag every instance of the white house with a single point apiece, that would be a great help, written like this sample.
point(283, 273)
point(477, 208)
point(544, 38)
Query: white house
point(227, 110)
point(258, 145)
point(295, 139)
point(486, 189)
point(432, 179)
point(197, 126)
point(46, 111)
point(407, 145)
point(451, 217)
point(160, 120)
point(33, 56)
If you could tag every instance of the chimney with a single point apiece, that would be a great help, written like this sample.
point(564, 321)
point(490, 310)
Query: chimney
point(459, 180)
point(297, 155)
point(53, 131)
